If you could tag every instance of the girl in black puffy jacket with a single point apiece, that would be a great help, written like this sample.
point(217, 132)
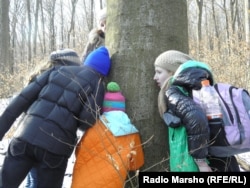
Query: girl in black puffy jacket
point(61, 57)
point(180, 104)
point(57, 103)
point(186, 119)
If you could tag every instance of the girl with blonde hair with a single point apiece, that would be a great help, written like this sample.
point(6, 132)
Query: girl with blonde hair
point(187, 124)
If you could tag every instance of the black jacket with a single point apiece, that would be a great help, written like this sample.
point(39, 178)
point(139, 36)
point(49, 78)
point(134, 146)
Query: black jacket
point(179, 101)
point(56, 104)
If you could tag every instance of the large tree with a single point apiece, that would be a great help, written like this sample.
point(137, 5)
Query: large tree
point(137, 32)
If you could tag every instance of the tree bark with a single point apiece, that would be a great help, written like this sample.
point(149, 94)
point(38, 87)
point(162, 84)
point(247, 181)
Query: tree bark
point(6, 64)
point(137, 32)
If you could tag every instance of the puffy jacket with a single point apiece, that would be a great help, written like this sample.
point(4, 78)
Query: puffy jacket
point(57, 103)
point(107, 152)
point(179, 100)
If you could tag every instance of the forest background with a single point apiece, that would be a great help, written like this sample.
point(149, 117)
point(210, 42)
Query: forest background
point(31, 29)
point(212, 31)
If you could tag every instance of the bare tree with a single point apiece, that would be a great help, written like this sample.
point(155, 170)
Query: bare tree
point(137, 32)
point(247, 20)
point(62, 23)
point(200, 7)
point(35, 27)
point(42, 37)
point(72, 22)
point(29, 29)
point(6, 64)
point(89, 14)
point(52, 29)
point(216, 28)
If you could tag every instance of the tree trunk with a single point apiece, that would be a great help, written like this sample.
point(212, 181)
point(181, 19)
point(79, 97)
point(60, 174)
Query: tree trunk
point(29, 29)
point(35, 28)
point(137, 32)
point(72, 23)
point(200, 13)
point(246, 6)
point(52, 37)
point(6, 64)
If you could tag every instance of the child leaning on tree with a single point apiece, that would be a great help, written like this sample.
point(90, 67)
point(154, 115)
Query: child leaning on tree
point(188, 138)
point(57, 103)
point(189, 133)
point(61, 57)
point(109, 149)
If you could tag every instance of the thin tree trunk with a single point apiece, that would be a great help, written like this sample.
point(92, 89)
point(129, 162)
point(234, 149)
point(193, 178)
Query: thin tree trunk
point(6, 64)
point(35, 28)
point(29, 29)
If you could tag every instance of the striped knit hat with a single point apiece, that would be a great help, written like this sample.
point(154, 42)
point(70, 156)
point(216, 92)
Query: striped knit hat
point(65, 57)
point(113, 98)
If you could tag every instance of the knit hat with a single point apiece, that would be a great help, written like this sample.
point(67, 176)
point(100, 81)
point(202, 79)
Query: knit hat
point(171, 60)
point(99, 60)
point(65, 57)
point(113, 98)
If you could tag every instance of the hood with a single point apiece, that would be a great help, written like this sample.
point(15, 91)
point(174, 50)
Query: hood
point(191, 73)
point(118, 123)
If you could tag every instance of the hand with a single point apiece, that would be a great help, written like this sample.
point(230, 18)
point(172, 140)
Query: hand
point(203, 166)
point(171, 120)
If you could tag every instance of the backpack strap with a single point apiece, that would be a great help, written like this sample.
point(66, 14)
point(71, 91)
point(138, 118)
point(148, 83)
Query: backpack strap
point(237, 116)
point(240, 125)
point(236, 111)
point(224, 102)
point(231, 98)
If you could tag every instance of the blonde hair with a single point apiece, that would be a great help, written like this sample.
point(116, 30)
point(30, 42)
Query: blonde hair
point(170, 61)
point(59, 57)
point(40, 69)
point(162, 105)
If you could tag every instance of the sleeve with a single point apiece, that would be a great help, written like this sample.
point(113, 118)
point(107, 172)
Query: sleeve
point(91, 100)
point(193, 119)
point(21, 103)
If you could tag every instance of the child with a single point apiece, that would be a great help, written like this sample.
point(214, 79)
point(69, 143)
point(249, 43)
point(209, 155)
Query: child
point(109, 149)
